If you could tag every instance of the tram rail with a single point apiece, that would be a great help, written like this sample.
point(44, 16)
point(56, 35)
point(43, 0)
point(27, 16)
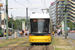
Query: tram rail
point(18, 45)
point(9, 44)
point(43, 47)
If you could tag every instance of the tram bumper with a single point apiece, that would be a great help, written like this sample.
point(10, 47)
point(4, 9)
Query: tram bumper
point(39, 39)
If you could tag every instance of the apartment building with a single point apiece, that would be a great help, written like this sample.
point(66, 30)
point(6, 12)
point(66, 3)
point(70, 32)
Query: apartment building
point(52, 13)
point(57, 11)
point(60, 10)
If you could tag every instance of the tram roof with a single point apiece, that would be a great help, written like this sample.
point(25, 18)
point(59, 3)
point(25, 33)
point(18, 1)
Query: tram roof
point(36, 16)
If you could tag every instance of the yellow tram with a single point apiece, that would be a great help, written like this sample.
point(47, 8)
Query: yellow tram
point(40, 28)
point(10, 31)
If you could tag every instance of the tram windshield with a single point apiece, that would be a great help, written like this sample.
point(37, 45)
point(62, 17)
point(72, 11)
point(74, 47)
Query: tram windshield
point(39, 25)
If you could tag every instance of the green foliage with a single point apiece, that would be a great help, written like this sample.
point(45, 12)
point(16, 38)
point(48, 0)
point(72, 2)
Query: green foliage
point(14, 24)
point(17, 24)
point(71, 25)
point(10, 22)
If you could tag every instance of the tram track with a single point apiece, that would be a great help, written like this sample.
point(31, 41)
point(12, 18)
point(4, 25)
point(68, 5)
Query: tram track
point(38, 47)
point(9, 44)
point(18, 45)
point(45, 48)
point(29, 47)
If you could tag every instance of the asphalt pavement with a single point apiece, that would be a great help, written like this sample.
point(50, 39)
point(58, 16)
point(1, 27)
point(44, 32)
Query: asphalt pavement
point(12, 36)
point(71, 35)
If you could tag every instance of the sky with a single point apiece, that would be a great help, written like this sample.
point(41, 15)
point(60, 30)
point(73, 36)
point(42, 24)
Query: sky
point(19, 6)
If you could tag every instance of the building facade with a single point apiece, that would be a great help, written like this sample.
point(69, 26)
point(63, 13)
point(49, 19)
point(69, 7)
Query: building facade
point(3, 15)
point(57, 11)
point(52, 13)
point(60, 11)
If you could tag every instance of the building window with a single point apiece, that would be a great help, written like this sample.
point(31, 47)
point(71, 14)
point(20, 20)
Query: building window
point(72, 0)
point(61, 2)
point(61, 5)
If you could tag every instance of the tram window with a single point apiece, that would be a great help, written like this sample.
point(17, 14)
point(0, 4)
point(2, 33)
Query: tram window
point(10, 30)
point(0, 28)
point(5, 30)
point(40, 26)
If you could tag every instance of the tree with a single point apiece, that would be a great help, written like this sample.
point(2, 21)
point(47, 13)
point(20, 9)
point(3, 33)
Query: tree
point(17, 24)
point(10, 22)
point(70, 24)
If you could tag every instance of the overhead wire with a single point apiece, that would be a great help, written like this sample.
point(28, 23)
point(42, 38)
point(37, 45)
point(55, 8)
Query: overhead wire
point(23, 5)
point(43, 3)
point(20, 3)
point(30, 4)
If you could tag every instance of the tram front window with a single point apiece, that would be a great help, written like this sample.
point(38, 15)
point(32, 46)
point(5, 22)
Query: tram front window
point(39, 25)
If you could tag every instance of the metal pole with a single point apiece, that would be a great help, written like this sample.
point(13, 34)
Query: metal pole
point(65, 19)
point(4, 26)
point(0, 22)
point(4, 23)
point(12, 20)
point(0, 16)
point(27, 17)
point(62, 15)
point(6, 19)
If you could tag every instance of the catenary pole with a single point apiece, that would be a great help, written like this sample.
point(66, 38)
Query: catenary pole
point(0, 17)
point(27, 17)
point(6, 19)
point(65, 19)
point(12, 20)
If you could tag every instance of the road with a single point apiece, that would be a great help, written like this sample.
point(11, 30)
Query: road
point(12, 36)
point(71, 35)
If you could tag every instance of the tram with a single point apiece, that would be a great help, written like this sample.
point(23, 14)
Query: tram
point(40, 28)
point(10, 31)
point(1, 34)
